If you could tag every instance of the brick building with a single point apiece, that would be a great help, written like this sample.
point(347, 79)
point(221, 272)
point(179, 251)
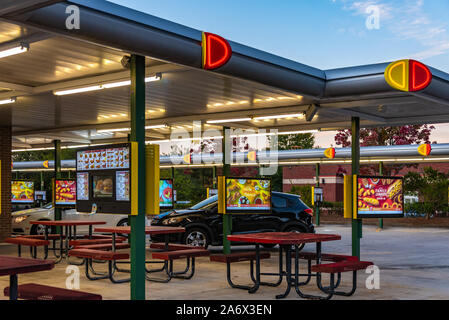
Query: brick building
point(331, 177)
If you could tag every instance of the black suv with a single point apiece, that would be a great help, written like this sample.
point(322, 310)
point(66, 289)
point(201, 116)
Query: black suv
point(204, 226)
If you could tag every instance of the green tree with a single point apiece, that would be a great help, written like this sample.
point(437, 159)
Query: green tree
point(305, 192)
point(296, 141)
point(432, 188)
point(289, 142)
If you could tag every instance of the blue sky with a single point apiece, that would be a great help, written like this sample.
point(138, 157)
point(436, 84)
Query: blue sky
point(322, 33)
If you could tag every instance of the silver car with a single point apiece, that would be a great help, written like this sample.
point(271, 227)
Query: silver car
point(21, 219)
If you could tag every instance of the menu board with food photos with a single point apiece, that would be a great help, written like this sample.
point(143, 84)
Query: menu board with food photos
point(103, 159)
point(65, 192)
point(248, 195)
point(380, 197)
point(104, 179)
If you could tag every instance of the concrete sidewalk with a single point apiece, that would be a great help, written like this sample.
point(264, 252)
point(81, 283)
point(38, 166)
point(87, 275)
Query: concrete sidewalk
point(413, 265)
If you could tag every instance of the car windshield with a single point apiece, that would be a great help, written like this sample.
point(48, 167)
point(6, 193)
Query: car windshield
point(205, 203)
point(48, 206)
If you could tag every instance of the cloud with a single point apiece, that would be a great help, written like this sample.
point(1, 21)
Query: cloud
point(407, 20)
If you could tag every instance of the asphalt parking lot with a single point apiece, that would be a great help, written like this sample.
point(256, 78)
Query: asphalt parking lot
point(413, 264)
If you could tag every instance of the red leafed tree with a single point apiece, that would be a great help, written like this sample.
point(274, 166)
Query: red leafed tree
point(387, 136)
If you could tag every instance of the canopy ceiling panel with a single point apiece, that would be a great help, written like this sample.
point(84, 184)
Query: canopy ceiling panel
point(253, 83)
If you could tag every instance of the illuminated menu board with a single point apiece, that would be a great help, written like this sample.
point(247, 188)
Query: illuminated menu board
point(103, 159)
point(248, 195)
point(380, 197)
point(166, 193)
point(22, 192)
point(122, 182)
point(65, 192)
point(82, 187)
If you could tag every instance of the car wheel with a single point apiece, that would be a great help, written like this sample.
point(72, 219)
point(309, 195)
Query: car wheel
point(38, 230)
point(197, 237)
point(296, 229)
point(123, 223)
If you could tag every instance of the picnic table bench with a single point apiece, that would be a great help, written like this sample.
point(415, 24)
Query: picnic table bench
point(33, 291)
point(101, 255)
point(239, 257)
point(188, 254)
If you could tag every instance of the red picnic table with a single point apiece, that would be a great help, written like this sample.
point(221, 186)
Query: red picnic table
point(12, 266)
point(285, 240)
point(68, 235)
point(149, 230)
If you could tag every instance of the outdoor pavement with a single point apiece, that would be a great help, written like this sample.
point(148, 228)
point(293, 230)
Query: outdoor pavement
point(413, 265)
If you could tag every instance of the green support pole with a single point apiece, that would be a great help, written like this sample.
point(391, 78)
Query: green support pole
point(58, 211)
point(381, 172)
point(214, 177)
point(227, 218)
point(42, 185)
point(317, 207)
point(137, 222)
point(355, 149)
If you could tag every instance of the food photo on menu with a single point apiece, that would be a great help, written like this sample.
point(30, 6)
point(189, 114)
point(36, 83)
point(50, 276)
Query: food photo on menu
point(102, 187)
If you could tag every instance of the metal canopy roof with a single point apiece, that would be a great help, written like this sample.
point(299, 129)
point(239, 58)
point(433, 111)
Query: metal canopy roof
point(253, 83)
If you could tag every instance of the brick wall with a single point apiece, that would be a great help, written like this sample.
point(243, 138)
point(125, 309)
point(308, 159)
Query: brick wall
point(5, 157)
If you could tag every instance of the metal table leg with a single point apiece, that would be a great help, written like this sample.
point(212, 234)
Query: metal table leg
point(288, 271)
point(13, 287)
point(257, 284)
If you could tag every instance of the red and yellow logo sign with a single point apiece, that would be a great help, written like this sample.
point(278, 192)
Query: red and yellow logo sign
point(408, 75)
point(216, 51)
point(45, 164)
point(187, 159)
point(425, 149)
point(330, 153)
point(252, 156)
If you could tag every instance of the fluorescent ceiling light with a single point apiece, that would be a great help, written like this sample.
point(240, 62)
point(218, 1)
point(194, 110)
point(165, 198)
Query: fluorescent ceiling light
point(159, 126)
point(104, 86)
point(13, 51)
point(7, 101)
point(117, 84)
point(229, 120)
point(297, 132)
point(78, 90)
point(280, 116)
point(153, 78)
